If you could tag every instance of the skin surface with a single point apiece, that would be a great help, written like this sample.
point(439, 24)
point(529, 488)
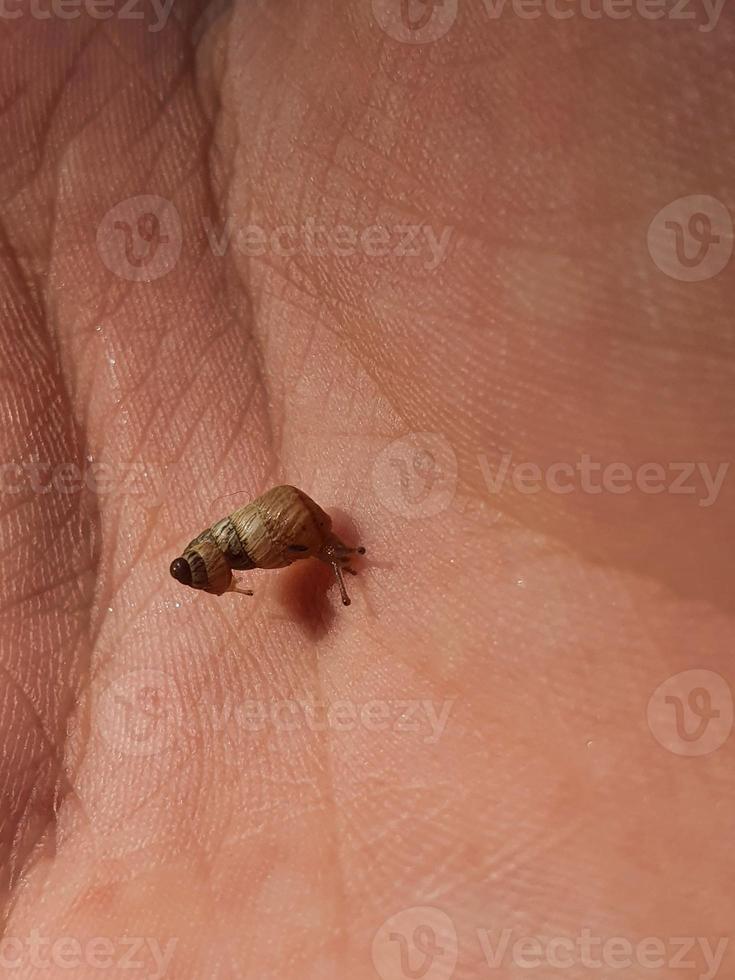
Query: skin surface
point(143, 794)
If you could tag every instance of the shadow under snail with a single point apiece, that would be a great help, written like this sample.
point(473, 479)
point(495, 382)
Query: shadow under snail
point(280, 527)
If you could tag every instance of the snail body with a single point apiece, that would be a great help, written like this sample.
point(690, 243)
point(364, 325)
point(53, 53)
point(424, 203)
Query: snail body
point(280, 527)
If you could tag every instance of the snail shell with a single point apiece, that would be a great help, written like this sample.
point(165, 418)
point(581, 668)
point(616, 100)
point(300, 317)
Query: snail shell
point(280, 527)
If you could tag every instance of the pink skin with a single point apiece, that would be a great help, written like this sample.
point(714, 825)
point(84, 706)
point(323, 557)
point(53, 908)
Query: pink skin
point(541, 622)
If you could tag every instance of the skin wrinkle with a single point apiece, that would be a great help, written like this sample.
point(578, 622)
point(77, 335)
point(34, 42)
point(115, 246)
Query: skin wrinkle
point(51, 112)
point(46, 787)
point(253, 352)
point(338, 896)
point(152, 525)
point(183, 393)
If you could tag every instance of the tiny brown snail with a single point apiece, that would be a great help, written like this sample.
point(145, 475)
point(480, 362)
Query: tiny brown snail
point(282, 526)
